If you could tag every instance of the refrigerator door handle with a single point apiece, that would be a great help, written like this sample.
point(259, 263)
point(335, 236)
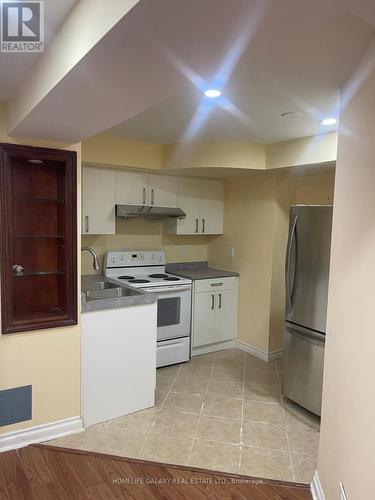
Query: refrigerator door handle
point(289, 288)
point(305, 333)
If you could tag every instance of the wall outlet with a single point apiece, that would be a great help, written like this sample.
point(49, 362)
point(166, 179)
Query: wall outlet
point(231, 252)
point(342, 492)
point(184, 251)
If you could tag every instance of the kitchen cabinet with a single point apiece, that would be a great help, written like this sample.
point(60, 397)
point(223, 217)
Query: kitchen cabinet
point(163, 190)
point(39, 238)
point(204, 319)
point(98, 201)
point(202, 201)
point(118, 364)
point(214, 314)
point(132, 188)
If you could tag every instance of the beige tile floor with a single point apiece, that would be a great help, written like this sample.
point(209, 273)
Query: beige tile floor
point(219, 411)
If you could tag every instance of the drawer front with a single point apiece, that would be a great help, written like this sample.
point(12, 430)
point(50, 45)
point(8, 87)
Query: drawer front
point(214, 285)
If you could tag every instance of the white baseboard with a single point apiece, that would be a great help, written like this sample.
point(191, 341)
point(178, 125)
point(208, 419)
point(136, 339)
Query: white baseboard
point(258, 353)
point(39, 433)
point(219, 346)
point(316, 488)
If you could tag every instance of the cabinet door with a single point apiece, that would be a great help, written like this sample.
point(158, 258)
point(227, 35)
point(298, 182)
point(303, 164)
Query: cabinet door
point(225, 315)
point(204, 319)
point(163, 190)
point(98, 201)
point(188, 200)
point(211, 206)
point(132, 188)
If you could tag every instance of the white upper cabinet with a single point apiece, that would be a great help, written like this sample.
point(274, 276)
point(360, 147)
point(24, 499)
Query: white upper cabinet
point(132, 188)
point(202, 201)
point(188, 201)
point(98, 201)
point(103, 188)
point(211, 206)
point(163, 190)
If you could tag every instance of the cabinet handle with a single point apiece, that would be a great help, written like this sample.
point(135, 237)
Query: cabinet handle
point(152, 196)
point(217, 284)
point(219, 300)
point(196, 225)
point(87, 227)
point(144, 196)
point(203, 225)
point(212, 301)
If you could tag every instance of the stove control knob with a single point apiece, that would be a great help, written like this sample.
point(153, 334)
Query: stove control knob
point(112, 260)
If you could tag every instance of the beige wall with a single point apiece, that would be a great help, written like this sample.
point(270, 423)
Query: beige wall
point(106, 149)
point(213, 158)
point(49, 360)
point(347, 443)
point(313, 150)
point(145, 235)
point(315, 189)
point(242, 155)
point(248, 227)
point(256, 219)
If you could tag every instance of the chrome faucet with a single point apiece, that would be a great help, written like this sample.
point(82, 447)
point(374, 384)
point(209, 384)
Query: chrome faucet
point(95, 263)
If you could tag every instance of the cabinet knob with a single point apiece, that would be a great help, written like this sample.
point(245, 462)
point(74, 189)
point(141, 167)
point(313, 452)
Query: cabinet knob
point(203, 225)
point(196, 225)
point(144, 196)
point(18, 269)
point(219, 300)
point(212, 301)
point(87, 227)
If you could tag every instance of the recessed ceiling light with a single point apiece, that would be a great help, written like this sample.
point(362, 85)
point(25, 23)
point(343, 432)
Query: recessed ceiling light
point(328, 121)
point(291, 114)
point(32, 160)
point(212, 93)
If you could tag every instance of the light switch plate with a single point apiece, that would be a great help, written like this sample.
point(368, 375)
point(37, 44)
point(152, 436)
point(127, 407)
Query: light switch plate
point(231, 252)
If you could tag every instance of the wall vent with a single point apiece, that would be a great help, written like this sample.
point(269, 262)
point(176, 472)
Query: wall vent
point(15, 405)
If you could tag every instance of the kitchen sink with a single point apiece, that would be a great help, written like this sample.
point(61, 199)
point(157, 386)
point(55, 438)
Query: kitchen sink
point(98, 285)
point(109, 292)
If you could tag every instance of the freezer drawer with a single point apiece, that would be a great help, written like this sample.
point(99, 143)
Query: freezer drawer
point(303, 367)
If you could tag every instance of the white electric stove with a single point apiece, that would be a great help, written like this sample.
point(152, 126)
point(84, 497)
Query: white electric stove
point(146, 270)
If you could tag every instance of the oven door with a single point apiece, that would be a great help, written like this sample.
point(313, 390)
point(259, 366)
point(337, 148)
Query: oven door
point(174, 311)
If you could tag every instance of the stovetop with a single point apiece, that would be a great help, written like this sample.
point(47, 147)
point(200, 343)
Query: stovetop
point(141, 269)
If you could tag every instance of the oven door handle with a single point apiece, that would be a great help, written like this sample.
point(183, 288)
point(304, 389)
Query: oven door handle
point(166, 289)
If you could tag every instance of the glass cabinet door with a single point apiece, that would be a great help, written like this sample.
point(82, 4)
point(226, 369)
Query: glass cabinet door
point(39, 247)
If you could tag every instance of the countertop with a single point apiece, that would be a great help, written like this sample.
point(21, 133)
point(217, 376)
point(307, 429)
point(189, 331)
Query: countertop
point(198, 271)
point(133, 297)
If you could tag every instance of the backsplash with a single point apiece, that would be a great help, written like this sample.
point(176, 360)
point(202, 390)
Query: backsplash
point(145, 235)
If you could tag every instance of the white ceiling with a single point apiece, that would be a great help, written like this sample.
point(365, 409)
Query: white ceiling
point(293, 55)
point(14, 67)
point(144, 78)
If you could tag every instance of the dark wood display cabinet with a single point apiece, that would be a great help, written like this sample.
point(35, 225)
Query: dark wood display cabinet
point(38, 238)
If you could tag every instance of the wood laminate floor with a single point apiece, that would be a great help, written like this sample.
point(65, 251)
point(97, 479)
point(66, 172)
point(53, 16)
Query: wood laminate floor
point(41, 472)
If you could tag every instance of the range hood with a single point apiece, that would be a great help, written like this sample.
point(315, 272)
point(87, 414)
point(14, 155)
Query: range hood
point(149, 212)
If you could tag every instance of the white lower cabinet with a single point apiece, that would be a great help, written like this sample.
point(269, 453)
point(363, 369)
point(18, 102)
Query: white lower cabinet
point(214, 314)
point(118, 362)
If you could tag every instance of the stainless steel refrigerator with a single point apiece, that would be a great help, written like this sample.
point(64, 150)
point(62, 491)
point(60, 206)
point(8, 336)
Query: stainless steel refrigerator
point(306, 278)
